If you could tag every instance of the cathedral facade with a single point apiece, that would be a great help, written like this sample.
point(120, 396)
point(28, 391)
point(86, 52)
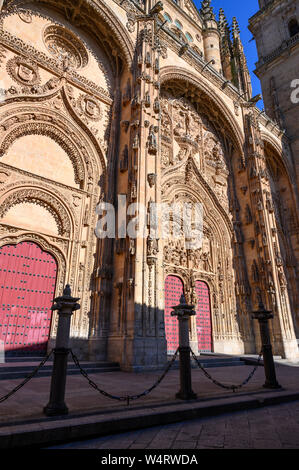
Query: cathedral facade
point(150, 101)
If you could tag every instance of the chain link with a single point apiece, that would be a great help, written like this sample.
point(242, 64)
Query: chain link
point(228, 387)
point(126, 398)
point(29, 377)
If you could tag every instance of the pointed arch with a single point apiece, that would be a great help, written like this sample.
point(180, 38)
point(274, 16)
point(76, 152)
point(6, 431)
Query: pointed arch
point(46, 199)
point(170, 73)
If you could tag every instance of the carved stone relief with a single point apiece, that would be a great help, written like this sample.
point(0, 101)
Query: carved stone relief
point(23, 71)
point(65, 47)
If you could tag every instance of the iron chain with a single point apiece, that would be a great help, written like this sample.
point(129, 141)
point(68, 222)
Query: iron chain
point(29, 377)
point(228, 387)
point(129, 398)
point(126, 398)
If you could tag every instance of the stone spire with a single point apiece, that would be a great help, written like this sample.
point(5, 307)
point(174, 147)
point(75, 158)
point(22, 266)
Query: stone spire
point(235, 29)
point(226, 46)
point(207, 11)
point(241, 75)
point(225, 33)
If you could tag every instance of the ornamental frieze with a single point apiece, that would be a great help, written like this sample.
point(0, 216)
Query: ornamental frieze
point(57, 66)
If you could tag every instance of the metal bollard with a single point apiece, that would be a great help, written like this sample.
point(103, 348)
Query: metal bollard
point(65, 305)
point(184, 312)
point(263, 316)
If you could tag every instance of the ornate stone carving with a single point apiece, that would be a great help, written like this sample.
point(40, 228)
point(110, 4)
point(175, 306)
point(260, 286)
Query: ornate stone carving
point(25, 16)
point(46, 200)
point(90, 107)
point(152, 249)
point(23, 71)
point(42, 124)
point(65, 47)
point(4, 175)
point(124, 160)
point(152, 178)
point(131, 21)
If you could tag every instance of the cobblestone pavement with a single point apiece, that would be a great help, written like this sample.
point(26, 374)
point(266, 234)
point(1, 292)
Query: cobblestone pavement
point(275, 427)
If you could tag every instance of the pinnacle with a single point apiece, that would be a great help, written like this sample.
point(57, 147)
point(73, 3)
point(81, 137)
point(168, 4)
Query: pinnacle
point(235, 27)
point(223, 23)
point(207, 11)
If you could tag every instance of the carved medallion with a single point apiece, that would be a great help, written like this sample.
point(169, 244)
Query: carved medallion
point(65, 47)
point(4, 175)
point(23, 71)
point(90, 107)
point(25, 16)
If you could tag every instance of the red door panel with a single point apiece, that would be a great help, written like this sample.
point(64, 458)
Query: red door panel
point(173, 291)
point(203, 317)
point(27, 287)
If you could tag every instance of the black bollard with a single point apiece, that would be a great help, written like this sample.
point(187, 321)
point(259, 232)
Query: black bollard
point(65, 305)
point(184, 312)
point(263, 316)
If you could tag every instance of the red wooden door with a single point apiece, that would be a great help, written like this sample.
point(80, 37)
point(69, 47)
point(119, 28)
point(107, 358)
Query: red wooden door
point(173, 291)
point(27, 287)
point(203, 317)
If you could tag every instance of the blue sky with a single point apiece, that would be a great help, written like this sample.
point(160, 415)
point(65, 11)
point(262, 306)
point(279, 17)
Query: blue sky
point(243, 11)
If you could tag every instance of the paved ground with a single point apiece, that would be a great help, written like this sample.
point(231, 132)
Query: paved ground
point(22, 421)
point(274, 427)
point(28, 403)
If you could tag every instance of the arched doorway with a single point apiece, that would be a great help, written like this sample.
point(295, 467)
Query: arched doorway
point(203, 317)
point(174, 289)
point(27, 287)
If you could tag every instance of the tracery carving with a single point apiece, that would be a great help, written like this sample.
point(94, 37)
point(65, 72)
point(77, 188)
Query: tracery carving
point(42, 124)
point(65, 46)
point(49, 130)
point(94, 16)
point(199, 142)
point(58, 66)
point(41, 198)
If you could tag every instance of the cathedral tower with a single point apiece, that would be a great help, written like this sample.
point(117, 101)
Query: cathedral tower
point(275, 28)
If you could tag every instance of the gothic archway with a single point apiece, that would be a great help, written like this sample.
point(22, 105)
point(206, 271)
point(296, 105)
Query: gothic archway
point(197, 168)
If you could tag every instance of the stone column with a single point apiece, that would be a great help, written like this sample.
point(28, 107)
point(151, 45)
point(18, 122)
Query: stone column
point(65, 305)
point(183, 312)
point(145, 344)
point(263, 316)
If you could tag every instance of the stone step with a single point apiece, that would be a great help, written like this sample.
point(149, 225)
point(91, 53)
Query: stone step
point(21, 371)
point(30, 366)
point(13, 359)
point(209, 364)
point(215, 361)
